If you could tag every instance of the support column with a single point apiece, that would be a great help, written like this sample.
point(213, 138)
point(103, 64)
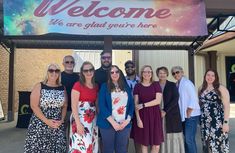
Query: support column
point(191, 65)
point(108, 43)
point(212, 55)
point(10, 114)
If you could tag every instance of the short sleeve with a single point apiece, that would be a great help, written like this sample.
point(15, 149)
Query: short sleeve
point(157, 87)
point(77, 86)
point(136, 89)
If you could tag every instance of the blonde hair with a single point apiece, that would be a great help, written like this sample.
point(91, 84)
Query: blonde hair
point(142, 71)
point(58, 81)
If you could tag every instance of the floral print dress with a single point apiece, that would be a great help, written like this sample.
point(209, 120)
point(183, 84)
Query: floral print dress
point(212, 118)
point(119, 102)
point(87, 143)
point(40, 137)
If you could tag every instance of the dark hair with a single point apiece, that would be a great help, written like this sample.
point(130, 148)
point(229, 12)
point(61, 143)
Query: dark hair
point(121, 81)
point(82, 78)
point(129, 62)
point(215, 84)
point(105, 51)
point(162, 68)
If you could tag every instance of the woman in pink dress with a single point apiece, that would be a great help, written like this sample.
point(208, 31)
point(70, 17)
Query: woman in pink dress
point(83, 131)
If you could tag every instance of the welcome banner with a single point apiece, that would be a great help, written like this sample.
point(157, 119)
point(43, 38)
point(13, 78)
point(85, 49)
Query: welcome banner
point(105, 17)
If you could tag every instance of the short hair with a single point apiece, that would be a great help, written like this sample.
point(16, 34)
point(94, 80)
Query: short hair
point(178, 68)
point(162, 68)
point(105, 51)
point(129, 62)
point(67, 57)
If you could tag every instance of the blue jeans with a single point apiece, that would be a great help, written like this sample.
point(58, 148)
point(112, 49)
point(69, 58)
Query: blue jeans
point(190, 130)
point(115, 140)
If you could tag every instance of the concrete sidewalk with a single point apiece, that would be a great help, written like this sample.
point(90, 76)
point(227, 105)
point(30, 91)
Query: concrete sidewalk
point(12, 139)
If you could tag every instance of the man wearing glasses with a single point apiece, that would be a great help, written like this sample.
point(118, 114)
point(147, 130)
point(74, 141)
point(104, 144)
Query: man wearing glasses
point(68, 78)
point(189, 108)
point(101, 74)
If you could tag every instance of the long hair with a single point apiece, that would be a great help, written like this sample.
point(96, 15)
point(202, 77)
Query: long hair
point(215, 84)
point(142, 71)
point(121, 81)
point(58, 81)
point(82, 78)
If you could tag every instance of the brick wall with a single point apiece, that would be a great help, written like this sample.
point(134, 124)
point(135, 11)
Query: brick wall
point(30, 68)
point(4, 62)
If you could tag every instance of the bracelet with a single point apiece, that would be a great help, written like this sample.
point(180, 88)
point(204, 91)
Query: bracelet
point(143, 105)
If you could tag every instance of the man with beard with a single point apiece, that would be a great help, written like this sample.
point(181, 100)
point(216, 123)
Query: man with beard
point(101, 74)
point(132, 79)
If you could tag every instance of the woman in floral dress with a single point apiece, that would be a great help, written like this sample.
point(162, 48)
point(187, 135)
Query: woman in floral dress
point(48, 100)
point(83, 131)
point(215, 107)
point(116, 108)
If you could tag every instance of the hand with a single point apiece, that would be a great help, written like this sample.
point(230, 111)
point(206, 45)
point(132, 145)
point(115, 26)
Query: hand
point(189, 111)
point(124, 124)
point(52, 123)
point(116, 126)
point(225, 128)
point(139, 107)
point(140, 123)
point(163, 113)
point(80, 129)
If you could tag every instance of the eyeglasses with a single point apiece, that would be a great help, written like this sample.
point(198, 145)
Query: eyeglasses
point(52, 70)
point(69, 62)
point(106, 57)
point(112, 72)
point(147, 72)
point(88, 70)
point(177, 72)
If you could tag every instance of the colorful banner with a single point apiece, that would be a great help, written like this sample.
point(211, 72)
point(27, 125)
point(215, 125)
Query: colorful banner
point(105, 17)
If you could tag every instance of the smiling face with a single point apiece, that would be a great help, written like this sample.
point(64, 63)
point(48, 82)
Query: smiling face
point(146, 73)
point(162, 75)
point(53, 73)
point(210, 77)
point(106, 60)
point(68, 63)
point(115, 74)
point(88, 71)
point(177, 74)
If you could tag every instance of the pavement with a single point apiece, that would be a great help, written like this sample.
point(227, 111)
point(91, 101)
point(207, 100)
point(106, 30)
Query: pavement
point(12, 138)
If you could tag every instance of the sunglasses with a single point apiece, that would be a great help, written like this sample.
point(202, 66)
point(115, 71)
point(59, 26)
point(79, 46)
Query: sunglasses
point(112, 72)
point(69, 62)
point(177, 72)
point(106, 57)
point(129, 67)
point(88, 70)
point(52, 70)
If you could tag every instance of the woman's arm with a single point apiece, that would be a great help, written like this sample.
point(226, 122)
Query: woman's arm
point(153, 102)
point(139, 121)
point(75, 95)
point(226, 103)
point(35, 106)
point(64, 107)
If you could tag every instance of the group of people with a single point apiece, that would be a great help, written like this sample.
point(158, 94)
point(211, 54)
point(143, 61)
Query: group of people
point(72, 112)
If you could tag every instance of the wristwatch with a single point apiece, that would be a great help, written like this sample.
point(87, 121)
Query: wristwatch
point(225, 121)
point(143, 105)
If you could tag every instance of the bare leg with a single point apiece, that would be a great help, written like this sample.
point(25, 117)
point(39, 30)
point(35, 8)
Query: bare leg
point(155, 149)
point(144, 149)
point(137, 147)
